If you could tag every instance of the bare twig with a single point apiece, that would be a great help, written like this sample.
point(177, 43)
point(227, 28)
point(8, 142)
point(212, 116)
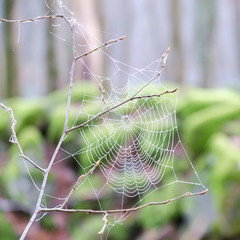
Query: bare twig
point(33, 163)
point(164, 60)
point(80, 179)
point(105, 224)
point(14, 138)
point(120, 104)
point(30, 19)
point(127, 210)
point(110, 42)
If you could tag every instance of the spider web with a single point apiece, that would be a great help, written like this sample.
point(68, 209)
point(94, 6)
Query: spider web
point(137, 144)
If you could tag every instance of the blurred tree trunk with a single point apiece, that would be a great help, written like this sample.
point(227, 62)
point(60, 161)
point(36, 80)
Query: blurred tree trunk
point(89, 37)
point(206, 17)
point(236, 8)
point(11, 83)
point(177, 46)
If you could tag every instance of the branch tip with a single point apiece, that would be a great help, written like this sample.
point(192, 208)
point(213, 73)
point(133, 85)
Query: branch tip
point(203, 192)
point(174, 90)
point(122, 38)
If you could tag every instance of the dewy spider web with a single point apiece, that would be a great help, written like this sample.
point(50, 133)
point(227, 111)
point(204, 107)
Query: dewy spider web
point(135, 144)
point(131, 152)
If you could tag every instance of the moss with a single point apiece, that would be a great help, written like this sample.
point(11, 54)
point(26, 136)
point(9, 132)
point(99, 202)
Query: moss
point(225, 170)
point(57, 117)
point(197, 99)
point(201, 125)
point(88, 229)
point(30, 137)
point(81, 90)
point(164, 213)
point(27, 111)
point(85, 91)
point(17, 183)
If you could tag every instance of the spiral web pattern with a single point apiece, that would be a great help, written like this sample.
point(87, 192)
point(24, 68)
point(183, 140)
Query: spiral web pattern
point(135, 143)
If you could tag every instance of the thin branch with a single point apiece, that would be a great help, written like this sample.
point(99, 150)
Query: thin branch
point(42, 190)
point(110, 42)
point(31, 19)
point(164, 60)
point(69, 95)
point(14, 138)
point(120, 104)
point(105, 224)
point(33, 163)
point(30, 223)
point(156, 95)
point(79, 180)
point(128, 210)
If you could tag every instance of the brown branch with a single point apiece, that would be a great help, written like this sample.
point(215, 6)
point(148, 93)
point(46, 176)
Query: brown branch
point(120, 104)
point(79, 180)
point(164, 60)
point(31, 19)
point(110, 42)
point(14, 138)
point(128, 210)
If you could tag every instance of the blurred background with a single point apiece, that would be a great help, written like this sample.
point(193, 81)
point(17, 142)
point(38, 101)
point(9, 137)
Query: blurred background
point(204, 63)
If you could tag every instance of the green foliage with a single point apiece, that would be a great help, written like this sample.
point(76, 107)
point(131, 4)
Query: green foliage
point(200, 125)
point(85, 91)
point(31, 138)
point(6, 230)
point(121, 231)
point(87, 229)
point(210, 129)
point(80, 91)
point(225, 170)
point(27, 112)
point(197, 99)
point(164, 213)
point(16, 179)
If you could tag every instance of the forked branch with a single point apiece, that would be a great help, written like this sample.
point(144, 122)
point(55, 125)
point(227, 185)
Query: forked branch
point(14, 138)
point(80, 179)
point(110, 42)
